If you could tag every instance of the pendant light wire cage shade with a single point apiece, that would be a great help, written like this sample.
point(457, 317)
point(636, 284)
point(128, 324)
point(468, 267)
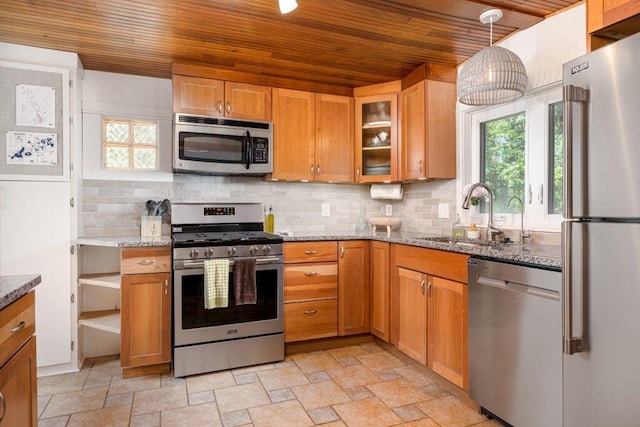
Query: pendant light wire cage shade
point(492, 76)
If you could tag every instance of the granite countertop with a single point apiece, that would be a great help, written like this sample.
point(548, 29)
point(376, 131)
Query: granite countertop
point(14, 287)
point(125, 241)
point(532, 254)
point(540, 255)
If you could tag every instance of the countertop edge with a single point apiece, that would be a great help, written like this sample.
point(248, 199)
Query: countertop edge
point(515, 253)
point(13, 287)
point(124, 241)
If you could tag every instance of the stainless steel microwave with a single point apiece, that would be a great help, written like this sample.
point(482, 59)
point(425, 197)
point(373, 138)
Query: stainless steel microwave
point(221, 146)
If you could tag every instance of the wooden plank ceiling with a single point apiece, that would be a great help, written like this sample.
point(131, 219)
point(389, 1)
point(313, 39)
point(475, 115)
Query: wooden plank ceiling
point(342, 43)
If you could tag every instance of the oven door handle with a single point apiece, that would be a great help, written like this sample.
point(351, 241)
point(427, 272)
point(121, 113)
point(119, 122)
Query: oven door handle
point(260, 261)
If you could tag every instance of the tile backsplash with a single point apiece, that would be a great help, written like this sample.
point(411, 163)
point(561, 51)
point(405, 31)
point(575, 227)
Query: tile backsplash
point(114, 208)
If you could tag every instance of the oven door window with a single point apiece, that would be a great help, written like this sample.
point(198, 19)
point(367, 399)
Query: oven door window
point(194, 315)
point(215, 148)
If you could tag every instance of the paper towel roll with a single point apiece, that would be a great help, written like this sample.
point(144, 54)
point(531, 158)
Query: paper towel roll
point(386, 191)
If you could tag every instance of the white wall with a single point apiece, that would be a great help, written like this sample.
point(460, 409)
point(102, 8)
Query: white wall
point(125, 96)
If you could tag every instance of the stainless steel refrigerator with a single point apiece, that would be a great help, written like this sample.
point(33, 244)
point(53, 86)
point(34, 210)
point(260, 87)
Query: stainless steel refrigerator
point(601, 237)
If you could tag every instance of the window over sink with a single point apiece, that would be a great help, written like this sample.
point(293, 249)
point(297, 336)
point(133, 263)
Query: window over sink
point(517, 149)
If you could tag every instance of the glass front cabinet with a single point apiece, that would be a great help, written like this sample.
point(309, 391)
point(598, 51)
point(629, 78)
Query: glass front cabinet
point(376, 138)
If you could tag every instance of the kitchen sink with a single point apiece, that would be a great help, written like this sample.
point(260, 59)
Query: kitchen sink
point(473, 243)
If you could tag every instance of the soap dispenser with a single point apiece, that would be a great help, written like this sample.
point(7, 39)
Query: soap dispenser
point(457, 229)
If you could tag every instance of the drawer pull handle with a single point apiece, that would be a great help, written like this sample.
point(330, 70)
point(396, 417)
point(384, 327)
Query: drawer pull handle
point(310, 312)
point(4, 406)
point(146, 261)
point(311, 273)
point(18, 328)
point(310, 252)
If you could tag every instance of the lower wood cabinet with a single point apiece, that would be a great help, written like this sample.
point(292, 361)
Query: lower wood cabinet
point(146, 311)
point(412, 310)
point(447, 330)
point(310, 320)
point(310, 290)
point(18, 381)
point(326, 289)
point(429, 312)
point(353, 287)
point(379, 289)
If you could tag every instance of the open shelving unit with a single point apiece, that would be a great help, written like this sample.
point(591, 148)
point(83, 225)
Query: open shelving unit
point(104, 320)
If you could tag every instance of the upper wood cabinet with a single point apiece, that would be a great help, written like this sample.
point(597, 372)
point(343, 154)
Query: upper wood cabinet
point(216, 98)
point(353, 287)
point(610, 20)
point(377, 132)
point(427, 146)
point(312, 136)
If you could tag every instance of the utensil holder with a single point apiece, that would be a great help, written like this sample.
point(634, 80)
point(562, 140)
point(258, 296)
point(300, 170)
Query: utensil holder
point(151, 226)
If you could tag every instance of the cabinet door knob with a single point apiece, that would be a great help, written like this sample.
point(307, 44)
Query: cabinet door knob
point(18, 328)
point(219, 107)
point(429, 288)
point(318, 170)
point(357, 172)
point(228, 107)
point(311, 273)
point(310, 312)
point(420, 166)
point(422, 287)
point(311, 170)
point(146, 261)
point(341, 251)
point(166, 286)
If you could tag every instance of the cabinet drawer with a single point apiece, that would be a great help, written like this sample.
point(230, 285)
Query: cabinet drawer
point(310, 252)
point(445, 264)
point(17, 325)
point(310, 320)
point(146, 260)
point(310, 281)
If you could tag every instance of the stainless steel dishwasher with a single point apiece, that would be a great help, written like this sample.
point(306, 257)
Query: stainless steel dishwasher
point(515, 342)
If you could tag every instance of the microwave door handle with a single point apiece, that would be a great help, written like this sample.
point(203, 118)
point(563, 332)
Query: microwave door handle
point(247, 150)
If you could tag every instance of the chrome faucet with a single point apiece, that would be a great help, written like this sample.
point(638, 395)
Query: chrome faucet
point(493, 231)
point(523, 235)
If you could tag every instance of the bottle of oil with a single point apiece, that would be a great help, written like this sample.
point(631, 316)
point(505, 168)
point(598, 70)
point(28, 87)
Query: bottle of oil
point(270, 220)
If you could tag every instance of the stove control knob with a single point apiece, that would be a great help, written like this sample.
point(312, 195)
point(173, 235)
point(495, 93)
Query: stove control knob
point(253, 250)
point(266, 249)
point(231, 251)
point(193, 253)
point(208, 252)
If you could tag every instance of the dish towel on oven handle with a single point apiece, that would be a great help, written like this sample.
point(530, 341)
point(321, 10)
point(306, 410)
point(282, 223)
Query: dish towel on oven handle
point(216, 281)
point(244, 280)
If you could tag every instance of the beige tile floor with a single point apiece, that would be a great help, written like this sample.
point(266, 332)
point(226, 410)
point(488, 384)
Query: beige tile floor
point(356, 385)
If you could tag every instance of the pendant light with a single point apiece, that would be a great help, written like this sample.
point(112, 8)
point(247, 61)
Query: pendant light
point(287, 6)
point(494, 75)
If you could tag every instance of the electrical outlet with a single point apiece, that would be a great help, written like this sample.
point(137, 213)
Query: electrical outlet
point(388, 210)
point(326, 209)
point(443, 210)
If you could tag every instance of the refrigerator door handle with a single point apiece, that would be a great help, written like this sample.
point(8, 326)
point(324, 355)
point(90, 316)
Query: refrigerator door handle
point(570, 95)
point(570, 344)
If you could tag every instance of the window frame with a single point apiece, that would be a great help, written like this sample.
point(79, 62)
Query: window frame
point(537, 151)
point(131, 145)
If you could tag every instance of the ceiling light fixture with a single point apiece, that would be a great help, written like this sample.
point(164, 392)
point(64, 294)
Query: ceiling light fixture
point(494, 75)
point(287, 6)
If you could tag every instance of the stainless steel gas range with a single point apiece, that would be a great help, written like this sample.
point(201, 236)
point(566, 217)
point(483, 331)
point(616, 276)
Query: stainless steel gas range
point(212, 339)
